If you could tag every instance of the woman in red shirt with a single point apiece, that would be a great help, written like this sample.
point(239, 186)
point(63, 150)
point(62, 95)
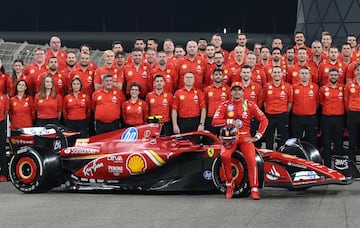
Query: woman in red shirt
point(135, 110)
point(48, 104)
point(76, 108)
point(17, 75)
point(22, 111)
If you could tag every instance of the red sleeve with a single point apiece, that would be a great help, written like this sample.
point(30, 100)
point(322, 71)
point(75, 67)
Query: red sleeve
point(219, 119)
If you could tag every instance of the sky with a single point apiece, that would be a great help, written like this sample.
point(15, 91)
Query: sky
point(252, 16)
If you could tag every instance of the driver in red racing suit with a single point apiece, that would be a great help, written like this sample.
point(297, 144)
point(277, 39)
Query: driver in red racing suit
point(239, 112)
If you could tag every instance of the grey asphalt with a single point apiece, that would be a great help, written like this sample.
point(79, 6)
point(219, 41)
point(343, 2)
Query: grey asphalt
point(323, 206)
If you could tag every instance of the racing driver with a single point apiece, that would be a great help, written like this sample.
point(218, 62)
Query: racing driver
point(239, 112)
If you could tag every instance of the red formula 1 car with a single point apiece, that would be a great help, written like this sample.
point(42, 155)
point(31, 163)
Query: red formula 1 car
point(138, 158)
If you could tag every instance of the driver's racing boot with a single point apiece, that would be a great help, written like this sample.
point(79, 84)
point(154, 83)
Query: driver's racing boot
point(255, 193)
point(229, 189)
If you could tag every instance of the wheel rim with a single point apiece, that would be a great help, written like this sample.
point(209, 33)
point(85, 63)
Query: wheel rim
point(26, 170)
point(237, 171)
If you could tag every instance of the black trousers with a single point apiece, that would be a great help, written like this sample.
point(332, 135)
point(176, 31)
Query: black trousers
point(101, 127)
point(43, 122)
point(209, 127)
point(3, 158)
point(353, 126)
point(188, 124)
point(280, 122)
point(332, 133)
point(81, 126)
point(304, 124)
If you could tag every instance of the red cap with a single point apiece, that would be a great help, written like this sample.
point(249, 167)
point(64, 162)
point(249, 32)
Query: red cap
point(237, 84)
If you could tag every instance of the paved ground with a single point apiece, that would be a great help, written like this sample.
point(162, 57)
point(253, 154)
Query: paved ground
point(324, 206)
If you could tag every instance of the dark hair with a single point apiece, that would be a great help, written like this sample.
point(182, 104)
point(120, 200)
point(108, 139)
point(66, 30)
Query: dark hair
point(158, 76)
point(26, 92)
point(76, 78)
point(135, 84)
point(13, 76)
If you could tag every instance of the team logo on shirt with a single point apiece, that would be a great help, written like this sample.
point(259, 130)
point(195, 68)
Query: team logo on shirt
point(114, 99)
point(184, 66)
point(182, 97)
point(130, 73)
point(32, 71)
point(297, 91)
point(211, 93)
point(152, 100)
point(196, 98)
point(70, 100)
point(231, 114)
point(230, 107)
point(165, 102)
point(352, 90)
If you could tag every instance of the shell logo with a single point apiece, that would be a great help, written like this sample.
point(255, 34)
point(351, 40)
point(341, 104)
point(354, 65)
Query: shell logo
point(136, 164)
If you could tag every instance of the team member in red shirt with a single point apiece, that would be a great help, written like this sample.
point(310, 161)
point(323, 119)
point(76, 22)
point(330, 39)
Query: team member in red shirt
point(135, 110)
point(332, 63)
point(352, 106)
point(85, 73)
point(188, 108)
point(278, 98)
point(33, 70)
point(257, 75)
point(167, 70)
point(76, 108)
point(60, 80)
point(22, 110)
point(138, 72)
point(48, 103)
point(17, 75)
point(109, 67)
point(160, 101)
point(56, 51)
point(4, 79)
point(106, 104)
point(331, 98)
point(238, 112)
point(293, 74)
point(304, 109)
point(252, 92)
point(191, 63)
point(215, 94)
point(4, 109)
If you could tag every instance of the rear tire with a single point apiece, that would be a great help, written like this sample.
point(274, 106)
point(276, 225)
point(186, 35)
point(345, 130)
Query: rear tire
point(239, 171)
point(33, 170)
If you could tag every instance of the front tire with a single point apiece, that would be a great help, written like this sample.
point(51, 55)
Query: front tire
point(33, 170)
point(239, 171)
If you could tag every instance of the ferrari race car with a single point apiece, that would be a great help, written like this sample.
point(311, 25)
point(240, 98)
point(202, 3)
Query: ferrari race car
point(140, 159)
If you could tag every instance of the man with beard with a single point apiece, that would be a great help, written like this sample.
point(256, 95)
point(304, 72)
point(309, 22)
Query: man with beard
point(60, 80)
point(202, 44)
point(300, 42)
point(316, 50)
point(331, 96)
point(168, 71)
point(215, 94)
point(70, 64)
